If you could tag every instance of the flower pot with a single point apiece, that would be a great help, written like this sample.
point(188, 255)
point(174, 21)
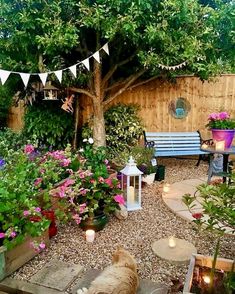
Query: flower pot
point(95, 223)
point(223, 135)
point(197, 260)
point(149, 179)
point(11, 260)
point(50, 215)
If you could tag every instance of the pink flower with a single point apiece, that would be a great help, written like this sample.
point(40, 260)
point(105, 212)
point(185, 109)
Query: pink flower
point(62, 191)
point(2, 235)
point(119, 199)
point(70, 171)
point(83, 191)
point(65, 162)
point(37, 181)
point(37, 209)
point(109, 182)
point(28, 149)
point(68, 182)
point(106, 161)
point(77, 218)
point(42, 171)
point(13, 234)
point(81, 175)
point(42, 245)
point(223, 115)
point(26, 212)
point(92, 181)
point(101, 180)
point(213, 116)
point(197, 215)
point(82, 207)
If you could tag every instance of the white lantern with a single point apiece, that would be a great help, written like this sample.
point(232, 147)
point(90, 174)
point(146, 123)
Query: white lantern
point(131, 185)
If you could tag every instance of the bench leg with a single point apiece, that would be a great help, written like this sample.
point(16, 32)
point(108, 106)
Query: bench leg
point(199, 159)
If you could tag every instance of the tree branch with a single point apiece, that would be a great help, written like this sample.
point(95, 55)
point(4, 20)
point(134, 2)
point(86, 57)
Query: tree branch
point(82, 91)
point(131, 80)
point(142, 82)
point(114, 68)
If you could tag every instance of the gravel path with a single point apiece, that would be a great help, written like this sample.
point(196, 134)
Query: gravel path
point(136, 234)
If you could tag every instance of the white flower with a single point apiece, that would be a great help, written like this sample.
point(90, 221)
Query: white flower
point(90, 140)
point(84, 140)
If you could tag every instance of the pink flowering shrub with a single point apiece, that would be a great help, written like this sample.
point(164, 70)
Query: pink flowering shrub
point(220, 120)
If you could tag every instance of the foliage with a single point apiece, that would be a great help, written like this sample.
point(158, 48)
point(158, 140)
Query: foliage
point(218, 212)
point(10, 140)
point(89, 189)
point(141, 35)
point(221, 121)
point(122, 125)
point(50, 126)
point(5, 103)
point(20, 215)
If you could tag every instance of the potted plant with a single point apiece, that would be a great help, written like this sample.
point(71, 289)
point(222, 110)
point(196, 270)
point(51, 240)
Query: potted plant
point(91, 192)
point(217, 216)
point(23, 229)
point(222, 127)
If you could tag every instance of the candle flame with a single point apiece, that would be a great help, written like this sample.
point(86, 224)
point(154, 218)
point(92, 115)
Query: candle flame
point(206, 279)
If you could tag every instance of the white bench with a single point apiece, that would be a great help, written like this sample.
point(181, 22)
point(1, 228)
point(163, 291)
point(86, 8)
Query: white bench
point(175, 143)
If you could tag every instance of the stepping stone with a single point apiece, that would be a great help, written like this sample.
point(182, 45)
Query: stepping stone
point(146, 286)
point(57, 275)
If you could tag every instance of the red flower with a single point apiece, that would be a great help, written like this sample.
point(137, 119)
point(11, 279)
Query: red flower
point(197, 215)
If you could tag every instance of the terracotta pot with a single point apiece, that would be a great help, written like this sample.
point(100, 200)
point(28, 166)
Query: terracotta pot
point(50, 215)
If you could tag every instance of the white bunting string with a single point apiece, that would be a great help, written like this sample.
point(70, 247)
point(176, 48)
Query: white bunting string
point(4, 74)
point(174, 67)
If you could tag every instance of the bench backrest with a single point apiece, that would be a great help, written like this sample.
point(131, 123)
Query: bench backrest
point(175, 143)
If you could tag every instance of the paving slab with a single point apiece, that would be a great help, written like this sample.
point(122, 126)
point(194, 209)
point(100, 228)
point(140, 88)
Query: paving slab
point(13, 286)
point(57, 275)
point(146, 286)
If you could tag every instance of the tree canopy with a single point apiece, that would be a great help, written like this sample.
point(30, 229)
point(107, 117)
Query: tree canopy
point(44, 35)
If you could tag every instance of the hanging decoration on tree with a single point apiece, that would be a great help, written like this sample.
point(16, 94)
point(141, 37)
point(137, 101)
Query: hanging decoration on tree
point(174, 67)
point(67, 104)
point(4, 74)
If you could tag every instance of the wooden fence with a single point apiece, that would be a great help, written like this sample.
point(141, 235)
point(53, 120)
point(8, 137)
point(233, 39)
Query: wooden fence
point(155, 97)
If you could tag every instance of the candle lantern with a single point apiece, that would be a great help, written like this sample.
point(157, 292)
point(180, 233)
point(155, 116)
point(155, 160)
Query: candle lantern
point(131, 185)
point(220, 145)
point(50, 92)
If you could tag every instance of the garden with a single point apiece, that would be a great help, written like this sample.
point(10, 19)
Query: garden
point(79, 180)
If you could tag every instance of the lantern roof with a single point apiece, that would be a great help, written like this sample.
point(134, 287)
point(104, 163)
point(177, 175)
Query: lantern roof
point(131, 169)
point(49, 86)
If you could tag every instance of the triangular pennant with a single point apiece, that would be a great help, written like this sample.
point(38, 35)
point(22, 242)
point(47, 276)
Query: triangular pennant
point(96, 55)
point(43, 77)
point(4, 74)
point(73, 70)
point(58, 74)
point(86, 63)
point(25, 78)
point(106, 48)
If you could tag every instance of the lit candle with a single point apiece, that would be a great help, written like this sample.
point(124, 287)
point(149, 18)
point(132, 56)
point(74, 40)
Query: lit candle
point(171, 242)
point(166, 188)
point(219, 146)
point(204, 146)
point(131, 195)
point(206, 279)
point(90, 235)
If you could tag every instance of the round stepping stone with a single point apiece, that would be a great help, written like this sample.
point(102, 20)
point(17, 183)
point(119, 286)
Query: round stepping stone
point(180, 254)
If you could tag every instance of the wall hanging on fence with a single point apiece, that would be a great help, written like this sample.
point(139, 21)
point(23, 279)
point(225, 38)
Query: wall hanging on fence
point(179, 108)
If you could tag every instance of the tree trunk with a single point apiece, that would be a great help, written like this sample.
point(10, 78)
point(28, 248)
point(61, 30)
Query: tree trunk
point(99, 125)
point(98, 107)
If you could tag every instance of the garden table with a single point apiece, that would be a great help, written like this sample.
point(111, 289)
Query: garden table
point(211, 150)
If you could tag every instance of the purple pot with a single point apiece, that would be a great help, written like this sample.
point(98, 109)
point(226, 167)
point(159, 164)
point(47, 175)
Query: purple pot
point(223, 135)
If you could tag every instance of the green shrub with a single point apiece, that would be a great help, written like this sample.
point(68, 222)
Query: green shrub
point(49, 125)
point(123, 127)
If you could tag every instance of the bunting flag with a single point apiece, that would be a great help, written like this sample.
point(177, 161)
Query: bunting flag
point(4, 74)
point(43, 77)
point(86, 63)
point(106, 48)
point(96, 55)
point(25, 78)
point(174, 67)
point(73, 70)
point(58, 74)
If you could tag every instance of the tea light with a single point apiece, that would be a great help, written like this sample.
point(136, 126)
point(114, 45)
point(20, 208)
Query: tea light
point(220, 145)
point(171, 242)
point(206, 279)
point(166, 188)
point(90, 235)
point(131, 195)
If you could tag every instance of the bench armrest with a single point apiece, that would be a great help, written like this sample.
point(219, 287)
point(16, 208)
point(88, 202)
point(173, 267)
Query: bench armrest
point(208, 142)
